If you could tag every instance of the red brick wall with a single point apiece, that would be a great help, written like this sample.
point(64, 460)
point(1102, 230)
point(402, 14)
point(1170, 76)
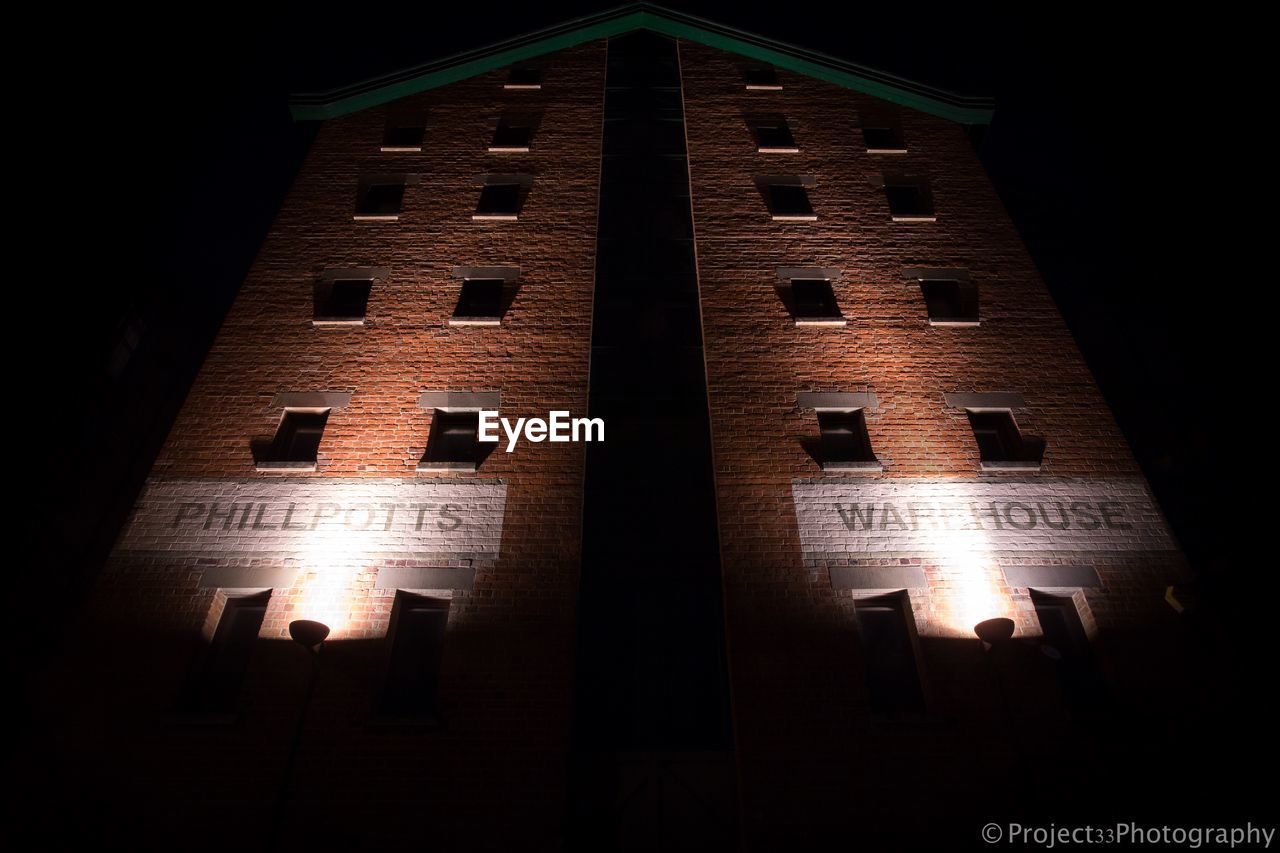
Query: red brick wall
point(810, 752)
point(498, 769)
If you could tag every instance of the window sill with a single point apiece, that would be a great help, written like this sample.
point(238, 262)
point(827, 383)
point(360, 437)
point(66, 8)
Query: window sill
point(376, 217)
point(821, 321)
point(870, 466)
point(777, 149)
point(285, 467)
point(962, 323)
point(525, 87)
point(495, 217)
point(475, 321)
point(795, 217)
point(1011, 466)
point(886, 151)
point(401, 149)
point(764, 87)
point(508, 149)
point(445, 467)
point(915, 218)
point(338, 321)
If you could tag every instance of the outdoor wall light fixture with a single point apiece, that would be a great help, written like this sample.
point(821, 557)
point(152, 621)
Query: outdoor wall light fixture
point(308, 633)
point(993, 631)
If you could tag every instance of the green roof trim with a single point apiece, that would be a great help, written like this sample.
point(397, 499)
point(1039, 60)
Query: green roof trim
point(642, 16)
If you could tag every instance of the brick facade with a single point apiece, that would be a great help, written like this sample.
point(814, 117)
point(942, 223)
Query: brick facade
point(810, 751)
point(808, 747)
point(506, 674)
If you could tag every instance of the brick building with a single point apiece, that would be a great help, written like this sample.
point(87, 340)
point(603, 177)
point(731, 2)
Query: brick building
point(844, 425)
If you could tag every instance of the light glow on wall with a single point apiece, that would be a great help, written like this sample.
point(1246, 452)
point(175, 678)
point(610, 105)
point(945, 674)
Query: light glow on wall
point(972, 591)
point(327, 527)
point(960, 528)
point(327, 584)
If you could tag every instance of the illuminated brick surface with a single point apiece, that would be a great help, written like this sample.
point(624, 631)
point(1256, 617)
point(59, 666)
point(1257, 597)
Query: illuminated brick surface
point(507, 668)
point(809, 750)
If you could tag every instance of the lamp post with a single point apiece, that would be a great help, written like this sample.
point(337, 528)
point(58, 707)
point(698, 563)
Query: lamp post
point(311, 636)
point(995, 635)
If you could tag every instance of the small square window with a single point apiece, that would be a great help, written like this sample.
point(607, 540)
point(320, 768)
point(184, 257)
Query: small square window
point(524, 77)
point(499, 201)
point(453, 444)
point(950, 302)
point(814, 303)
point(846, 446)
point(480, 303)
point(1001, 445)
point(342, 301)
point(403, 135)
point(789, 203)
point(379, 200)
point(909, 201)
point(511, 137)
point(415, 637)
point(297, 441)
point(888, 654)
point(761, 78)
point(773, 136)
point(884, 139)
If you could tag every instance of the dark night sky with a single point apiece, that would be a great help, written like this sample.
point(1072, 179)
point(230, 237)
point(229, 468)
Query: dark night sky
point(189, 150)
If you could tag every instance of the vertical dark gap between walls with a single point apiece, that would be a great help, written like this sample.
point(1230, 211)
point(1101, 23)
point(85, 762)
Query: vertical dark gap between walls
point(651, 677)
